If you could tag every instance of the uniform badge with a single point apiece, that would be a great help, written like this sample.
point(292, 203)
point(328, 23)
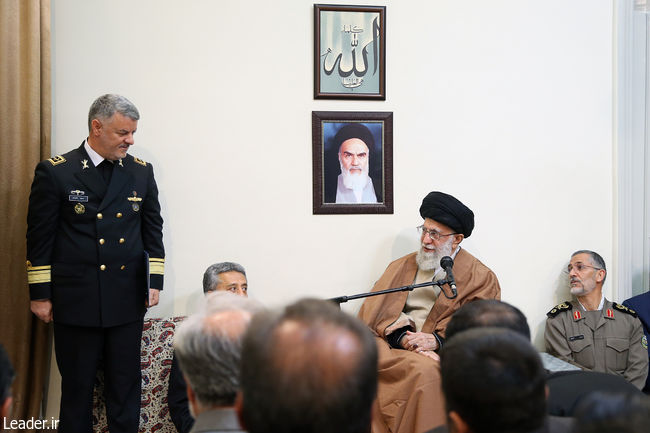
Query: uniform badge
point(78, 196)
point(624, 309)
point(135, 201)
point(56, 160)
point(79, 208)
point(121, 163)
point(577, 315)
point(609, 313)
point(84, 164)
point(644, 342)
point(564, 306)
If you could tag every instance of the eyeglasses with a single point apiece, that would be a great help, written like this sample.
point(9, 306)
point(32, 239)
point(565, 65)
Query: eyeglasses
point(580, 267)
point(433, 234)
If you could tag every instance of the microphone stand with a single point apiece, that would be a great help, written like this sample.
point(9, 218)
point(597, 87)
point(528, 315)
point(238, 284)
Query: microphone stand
point(341, 299)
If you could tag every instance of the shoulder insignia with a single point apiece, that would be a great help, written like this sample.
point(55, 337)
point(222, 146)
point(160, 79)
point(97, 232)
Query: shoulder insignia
point(56, 160)
point(139, 161)
point(564, 306)
point(624, 309)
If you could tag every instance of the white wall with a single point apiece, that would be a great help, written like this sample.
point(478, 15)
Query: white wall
point(506, 104)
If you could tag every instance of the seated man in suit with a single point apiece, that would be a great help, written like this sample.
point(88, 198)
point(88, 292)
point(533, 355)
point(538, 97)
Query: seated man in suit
point(641, 304)
point(208, 347)
point(221, 277)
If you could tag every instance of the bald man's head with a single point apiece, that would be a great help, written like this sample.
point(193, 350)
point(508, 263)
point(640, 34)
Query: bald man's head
point(307, 369)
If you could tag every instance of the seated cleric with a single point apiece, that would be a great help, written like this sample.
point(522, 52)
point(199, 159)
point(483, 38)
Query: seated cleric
point(409, 396)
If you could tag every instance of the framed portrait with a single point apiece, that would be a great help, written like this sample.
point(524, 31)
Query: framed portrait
point(352, 162)
point(349, 52)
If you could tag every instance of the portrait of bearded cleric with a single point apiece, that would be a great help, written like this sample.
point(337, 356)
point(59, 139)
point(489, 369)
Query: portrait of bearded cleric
point(353, 161)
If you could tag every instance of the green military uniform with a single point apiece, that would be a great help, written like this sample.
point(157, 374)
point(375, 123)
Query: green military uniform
point(610, 340)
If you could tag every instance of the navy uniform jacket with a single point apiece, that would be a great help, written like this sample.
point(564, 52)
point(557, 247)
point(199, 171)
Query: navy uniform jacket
point(90, 245)
point(641, 304)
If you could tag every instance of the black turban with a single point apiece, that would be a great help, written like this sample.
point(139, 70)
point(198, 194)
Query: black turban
point(447, 210)
point(354, 130)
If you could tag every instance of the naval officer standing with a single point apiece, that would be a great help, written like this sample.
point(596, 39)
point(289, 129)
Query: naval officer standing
point(95, 260)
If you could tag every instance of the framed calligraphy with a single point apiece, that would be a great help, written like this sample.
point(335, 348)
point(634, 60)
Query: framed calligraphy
point(349, 52)
point(352, 157)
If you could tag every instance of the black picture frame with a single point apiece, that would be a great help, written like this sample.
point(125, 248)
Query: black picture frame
point(346, 37)
point(328, 179)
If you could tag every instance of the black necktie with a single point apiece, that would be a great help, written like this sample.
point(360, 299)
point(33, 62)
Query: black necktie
point(106, 169)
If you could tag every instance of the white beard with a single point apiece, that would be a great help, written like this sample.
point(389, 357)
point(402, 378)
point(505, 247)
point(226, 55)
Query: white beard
point(430, 260)
point(355, 182)
point(583, 290)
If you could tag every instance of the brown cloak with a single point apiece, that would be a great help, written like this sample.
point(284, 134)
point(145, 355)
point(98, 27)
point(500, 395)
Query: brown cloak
point(409, 396)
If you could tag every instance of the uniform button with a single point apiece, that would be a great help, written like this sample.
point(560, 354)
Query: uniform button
point(119, 215)
point(102, 267)
point(122, 267)
point(121, 240)
point(100, 216)
point(101, 241)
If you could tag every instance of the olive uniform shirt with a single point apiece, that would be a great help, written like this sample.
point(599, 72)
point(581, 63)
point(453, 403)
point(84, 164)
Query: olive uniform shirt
point(610, 342)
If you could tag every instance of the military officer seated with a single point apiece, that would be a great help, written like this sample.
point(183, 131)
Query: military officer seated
point(592, 332)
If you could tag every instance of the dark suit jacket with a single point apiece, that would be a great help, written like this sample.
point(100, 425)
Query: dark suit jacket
point(552, 424)
point(568, 388)
point(179, 409)
point(641, 304)
point(89, 244)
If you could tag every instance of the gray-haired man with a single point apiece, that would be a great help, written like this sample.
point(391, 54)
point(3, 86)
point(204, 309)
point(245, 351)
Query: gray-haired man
point(208, 346)
point(95, 260)
point(226, 276)
point(219, 277)
point(593, 332)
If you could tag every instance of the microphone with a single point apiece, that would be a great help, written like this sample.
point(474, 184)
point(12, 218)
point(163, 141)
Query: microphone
point(447, 263)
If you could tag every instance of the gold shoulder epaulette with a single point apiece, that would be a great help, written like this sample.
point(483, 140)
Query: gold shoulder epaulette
point(564, 306)
point(56, 160)
point(624, 309)
point(139, 161)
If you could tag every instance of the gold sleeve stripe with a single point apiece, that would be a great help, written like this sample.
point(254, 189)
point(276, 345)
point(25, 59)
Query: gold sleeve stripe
point(39, 276)
point(38, 268)
point(156, 266)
